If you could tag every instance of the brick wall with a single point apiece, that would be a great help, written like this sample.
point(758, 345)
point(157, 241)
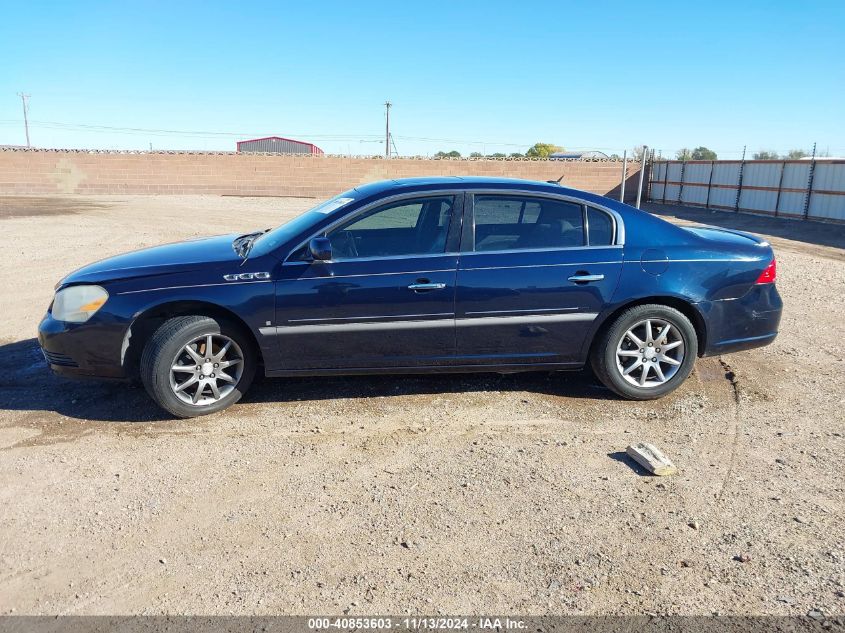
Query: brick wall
point(39, 172)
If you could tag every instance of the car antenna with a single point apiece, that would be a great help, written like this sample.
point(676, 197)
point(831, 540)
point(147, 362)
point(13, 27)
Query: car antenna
point(555, 182)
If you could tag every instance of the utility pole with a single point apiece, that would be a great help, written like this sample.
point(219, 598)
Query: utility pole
point(25, 102)
point(387, 105)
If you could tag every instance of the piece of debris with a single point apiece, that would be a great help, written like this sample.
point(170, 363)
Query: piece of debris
point(742, 558)
point(816, 615)
point(649, 457)
point(694, 525)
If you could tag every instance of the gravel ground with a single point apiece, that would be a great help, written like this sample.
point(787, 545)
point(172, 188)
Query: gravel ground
point(446, 494)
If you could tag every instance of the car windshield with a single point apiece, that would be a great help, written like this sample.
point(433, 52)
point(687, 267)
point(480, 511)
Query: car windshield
point(273, 239)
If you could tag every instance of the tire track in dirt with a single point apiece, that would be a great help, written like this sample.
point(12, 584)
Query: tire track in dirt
point(730, 376)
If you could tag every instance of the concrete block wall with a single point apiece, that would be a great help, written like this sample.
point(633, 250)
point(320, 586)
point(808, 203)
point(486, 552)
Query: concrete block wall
point(52, 172)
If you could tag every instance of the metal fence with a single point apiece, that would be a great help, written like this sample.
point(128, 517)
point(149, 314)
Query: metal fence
point(808, 189)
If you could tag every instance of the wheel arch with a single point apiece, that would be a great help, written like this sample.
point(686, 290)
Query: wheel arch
point(148, 321)
point(687, 308)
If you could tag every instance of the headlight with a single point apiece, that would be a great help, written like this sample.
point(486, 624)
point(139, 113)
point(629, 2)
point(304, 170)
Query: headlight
point(77, 304)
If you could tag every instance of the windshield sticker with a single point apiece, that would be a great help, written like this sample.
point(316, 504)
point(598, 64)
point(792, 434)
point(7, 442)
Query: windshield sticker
point(332, 205)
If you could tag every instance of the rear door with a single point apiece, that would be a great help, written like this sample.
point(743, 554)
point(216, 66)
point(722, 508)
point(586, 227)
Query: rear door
point(387, 297)
point(535, 271)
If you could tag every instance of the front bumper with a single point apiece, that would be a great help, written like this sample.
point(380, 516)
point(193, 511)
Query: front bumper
point(90, 349)
point(738, 324)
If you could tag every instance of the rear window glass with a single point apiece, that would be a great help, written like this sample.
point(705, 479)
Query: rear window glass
point(516, 223)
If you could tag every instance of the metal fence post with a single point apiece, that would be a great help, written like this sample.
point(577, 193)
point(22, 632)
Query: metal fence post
point(624, 175)
point(665, 179)
point(810, 179)
point(643, 162)
point(650, 177)
point(681, 183)
point(739, 181)
point(710, 184)
point(780, 187)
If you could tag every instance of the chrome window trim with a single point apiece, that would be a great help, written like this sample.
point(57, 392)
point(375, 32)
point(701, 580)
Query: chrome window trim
point(539, 250)
point(366, 259)
point(618, 223)
point(434, 193)
point(392, 272)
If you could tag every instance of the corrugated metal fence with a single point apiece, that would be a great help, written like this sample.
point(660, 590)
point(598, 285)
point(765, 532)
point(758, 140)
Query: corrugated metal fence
point(811, 189)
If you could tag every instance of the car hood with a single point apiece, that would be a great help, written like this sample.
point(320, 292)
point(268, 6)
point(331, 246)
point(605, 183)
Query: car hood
point(159, 260)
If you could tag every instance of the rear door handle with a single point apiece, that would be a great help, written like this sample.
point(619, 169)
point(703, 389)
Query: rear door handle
point(585, 278)
point(426, 287)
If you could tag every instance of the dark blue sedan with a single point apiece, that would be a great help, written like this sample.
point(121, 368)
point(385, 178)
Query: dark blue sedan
point(420, 275)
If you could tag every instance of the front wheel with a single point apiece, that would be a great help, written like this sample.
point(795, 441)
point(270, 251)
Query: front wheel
point(647, 352)
point(196, 365)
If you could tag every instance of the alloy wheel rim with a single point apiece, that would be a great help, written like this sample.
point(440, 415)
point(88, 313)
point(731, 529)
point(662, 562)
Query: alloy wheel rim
point(206, 369)
point(650, 353)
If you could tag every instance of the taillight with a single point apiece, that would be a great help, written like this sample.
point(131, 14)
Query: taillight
point(769, 274)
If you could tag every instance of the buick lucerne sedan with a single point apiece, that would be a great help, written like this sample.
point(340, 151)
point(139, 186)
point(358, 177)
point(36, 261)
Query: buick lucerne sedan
point(420, 275)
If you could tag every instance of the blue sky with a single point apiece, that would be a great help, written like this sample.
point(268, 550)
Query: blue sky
point(484, 76)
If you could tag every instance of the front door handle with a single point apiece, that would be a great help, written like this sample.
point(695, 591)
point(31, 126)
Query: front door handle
point(583, 278)
point(426, 287)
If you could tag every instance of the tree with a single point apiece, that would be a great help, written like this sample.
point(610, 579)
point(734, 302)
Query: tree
point(683, 154)
point(766, 154)
point(476, 155)
point(703, 153)
point(796, 153)
point(637, 153)
point(452, 154)
point(517, 155)
point(615, 157)
point(498, 155)
point(542, 150)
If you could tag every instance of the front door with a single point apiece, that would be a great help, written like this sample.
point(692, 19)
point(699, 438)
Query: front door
point(534, 274)
point(385, 299)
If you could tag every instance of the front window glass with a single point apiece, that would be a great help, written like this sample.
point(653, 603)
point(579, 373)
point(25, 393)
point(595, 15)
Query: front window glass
point(515, 223)
point(408, 227)
point(287, 231)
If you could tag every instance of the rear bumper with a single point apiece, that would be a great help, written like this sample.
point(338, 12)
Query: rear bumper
point(82, 349)
point(738, 324)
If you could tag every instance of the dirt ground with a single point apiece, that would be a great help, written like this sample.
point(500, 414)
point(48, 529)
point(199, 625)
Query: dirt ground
point(449, 494)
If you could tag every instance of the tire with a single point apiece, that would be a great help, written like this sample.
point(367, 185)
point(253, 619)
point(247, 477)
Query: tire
point(619, 363)
point(182, 341)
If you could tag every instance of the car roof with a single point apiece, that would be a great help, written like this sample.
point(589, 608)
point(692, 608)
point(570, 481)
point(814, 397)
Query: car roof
point(476, 182)
point(448, 181)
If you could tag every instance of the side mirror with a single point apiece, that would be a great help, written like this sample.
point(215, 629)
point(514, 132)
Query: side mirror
point(320, 248)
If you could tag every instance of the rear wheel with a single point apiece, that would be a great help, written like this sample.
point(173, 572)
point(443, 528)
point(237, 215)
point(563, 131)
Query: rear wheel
point(647, 352)
point(196, 365)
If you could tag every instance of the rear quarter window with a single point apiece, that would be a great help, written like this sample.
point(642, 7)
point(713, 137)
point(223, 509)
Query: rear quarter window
point(600, 227)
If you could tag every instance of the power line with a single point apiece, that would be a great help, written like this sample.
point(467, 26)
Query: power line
point(57, 125)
